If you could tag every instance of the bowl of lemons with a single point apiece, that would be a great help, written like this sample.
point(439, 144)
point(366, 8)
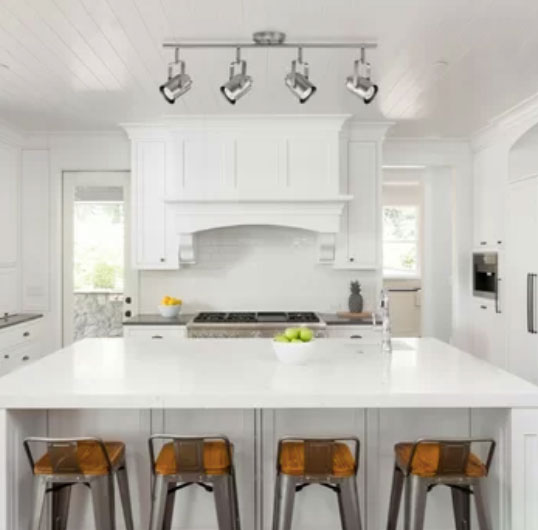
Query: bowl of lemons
point(294, 345)
point(170, 306)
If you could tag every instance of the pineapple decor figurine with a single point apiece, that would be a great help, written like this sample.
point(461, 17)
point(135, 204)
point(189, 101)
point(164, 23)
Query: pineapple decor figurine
point(355, 298)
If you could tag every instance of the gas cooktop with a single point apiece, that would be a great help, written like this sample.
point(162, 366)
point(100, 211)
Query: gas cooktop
point(244, 317)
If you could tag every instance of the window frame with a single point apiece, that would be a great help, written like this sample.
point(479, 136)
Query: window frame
point(391, 274)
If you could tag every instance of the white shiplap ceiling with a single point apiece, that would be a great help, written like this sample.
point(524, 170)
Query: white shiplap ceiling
point(445, 67)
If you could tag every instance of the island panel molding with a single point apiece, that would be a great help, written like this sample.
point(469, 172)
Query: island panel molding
point(183, 166)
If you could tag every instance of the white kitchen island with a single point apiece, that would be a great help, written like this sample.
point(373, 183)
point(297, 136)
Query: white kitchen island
point(127, 389)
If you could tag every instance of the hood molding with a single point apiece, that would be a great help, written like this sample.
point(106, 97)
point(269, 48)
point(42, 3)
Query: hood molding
point(321, 215)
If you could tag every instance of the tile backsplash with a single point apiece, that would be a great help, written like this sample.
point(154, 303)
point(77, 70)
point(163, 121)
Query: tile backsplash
point(255, 268)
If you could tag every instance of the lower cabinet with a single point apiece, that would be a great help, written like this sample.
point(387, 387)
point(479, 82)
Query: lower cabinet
point(489, 333)
point(155, 332)
point(20, 345)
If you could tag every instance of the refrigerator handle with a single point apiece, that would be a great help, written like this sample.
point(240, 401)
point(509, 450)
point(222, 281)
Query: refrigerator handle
point(531, 303)
point(497, 296)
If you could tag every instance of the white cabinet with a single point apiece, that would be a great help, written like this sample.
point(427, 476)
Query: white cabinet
point(488, 339)
point(9, 204)
point(150, 245)
point(522, 278)
point(489, 190)
point(20, 345)
point(155, 332)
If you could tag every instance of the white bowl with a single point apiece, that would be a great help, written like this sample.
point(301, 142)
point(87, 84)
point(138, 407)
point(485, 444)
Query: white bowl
point(169, 311)
point(293, 352)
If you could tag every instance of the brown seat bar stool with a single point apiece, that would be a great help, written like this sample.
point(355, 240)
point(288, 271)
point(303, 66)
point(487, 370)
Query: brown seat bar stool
point(206, 461)
point(328, 462)
point(71, 461)
point(424, 464)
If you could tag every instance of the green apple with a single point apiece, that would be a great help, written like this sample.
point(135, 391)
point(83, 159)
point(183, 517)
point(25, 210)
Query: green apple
point(306, 334)
point(281, 338)
point(292, 333)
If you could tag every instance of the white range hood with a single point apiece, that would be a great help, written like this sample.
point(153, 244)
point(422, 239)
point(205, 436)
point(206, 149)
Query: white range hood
point(321, 215)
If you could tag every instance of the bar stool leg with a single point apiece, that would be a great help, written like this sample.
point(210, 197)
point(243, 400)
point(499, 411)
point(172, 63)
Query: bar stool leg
point(40, 488)
point(348, 502)
point(395, 498)
point(235, 502)
point(169, 506)
point(158, 503)
point(125, 495)
point(284, 501)
point(416, 490)
point(481, 508)
point(102, 490)
point(462, 508)
point(222, 489)
point(60, 507)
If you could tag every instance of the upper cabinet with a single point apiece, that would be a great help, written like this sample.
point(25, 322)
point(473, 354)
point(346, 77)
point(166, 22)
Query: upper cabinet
point(9, 204)
point(489, 185)
point(319, 173)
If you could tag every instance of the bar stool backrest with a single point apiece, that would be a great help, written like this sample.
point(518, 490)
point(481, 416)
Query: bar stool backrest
point(453, 454)
point(319, 453)
point(63, 453)
point(189, 455)
point(318, 457)
point(453, 458)
point(188, 450)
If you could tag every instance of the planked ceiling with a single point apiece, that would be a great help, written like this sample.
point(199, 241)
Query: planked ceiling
point(445, 67)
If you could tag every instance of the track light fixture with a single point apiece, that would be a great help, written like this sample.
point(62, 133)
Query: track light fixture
point(297, 82)
point(360, 83)
point(178, 84)
point(238, 84)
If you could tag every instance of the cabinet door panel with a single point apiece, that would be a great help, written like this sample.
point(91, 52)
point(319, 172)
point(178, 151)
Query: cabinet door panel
point(258, 166)
point(149, 216)
point(9, 201)
point(363, 211)
point(521, 259)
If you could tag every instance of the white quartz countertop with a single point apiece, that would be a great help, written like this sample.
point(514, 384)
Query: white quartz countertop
point(244, 373)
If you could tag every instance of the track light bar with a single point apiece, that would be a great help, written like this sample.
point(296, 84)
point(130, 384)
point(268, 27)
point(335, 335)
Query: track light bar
point(243, 45)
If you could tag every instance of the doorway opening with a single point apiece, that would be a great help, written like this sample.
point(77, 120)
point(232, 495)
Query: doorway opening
point(417, 250)
point(98, 285)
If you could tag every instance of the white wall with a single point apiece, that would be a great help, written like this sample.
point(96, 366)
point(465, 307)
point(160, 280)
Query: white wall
point(255, 268)
point(46, 157)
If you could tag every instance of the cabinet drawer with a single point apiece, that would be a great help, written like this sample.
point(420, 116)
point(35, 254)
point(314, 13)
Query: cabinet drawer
point(364, 334)
point(155, 332)
point(11, 359)
point(20, 334)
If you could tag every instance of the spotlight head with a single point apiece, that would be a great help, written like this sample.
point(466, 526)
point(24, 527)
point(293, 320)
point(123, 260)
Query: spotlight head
point(297, 82)
point(360, 83)
point(177, 84)
point(239, 83)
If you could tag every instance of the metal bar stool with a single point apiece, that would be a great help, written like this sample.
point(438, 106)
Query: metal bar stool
point(329, 462)
point(71, 461)
point(425, 464)
point(183, 461)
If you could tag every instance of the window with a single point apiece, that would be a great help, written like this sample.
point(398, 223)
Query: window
point(400, 241)
point(98, 246)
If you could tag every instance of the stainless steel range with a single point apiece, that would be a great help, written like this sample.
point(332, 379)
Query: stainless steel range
point(252, 324)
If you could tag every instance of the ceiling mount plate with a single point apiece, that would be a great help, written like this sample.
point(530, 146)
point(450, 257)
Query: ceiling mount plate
point(269, 37)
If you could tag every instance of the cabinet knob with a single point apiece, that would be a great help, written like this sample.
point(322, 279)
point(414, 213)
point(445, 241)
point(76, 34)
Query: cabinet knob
point(163, 260)
point(128, 300)
point(483, 307)
point(483, 243)
point(26, 358)
point(6, 356)
point(157, 337)
point(26, 334)
point(127, 313)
